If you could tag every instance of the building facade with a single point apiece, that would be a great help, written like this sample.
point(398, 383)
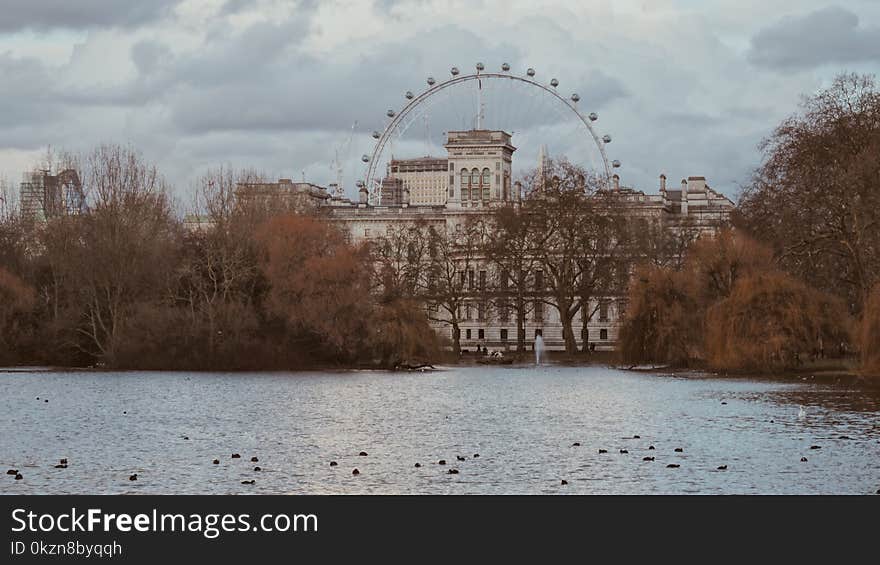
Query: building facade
point(475, 176)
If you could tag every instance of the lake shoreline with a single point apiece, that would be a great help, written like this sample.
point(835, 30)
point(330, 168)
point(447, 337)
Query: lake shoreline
point(818, 375)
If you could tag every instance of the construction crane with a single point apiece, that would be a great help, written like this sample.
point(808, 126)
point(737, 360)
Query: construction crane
point(337, 189)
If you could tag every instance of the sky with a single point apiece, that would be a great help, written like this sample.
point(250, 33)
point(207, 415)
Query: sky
point(685, 87)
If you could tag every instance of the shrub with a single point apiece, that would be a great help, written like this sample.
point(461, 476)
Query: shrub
point(771, 321)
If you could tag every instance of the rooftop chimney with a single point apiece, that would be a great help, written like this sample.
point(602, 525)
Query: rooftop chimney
point(684, 197)
point(662, 183)
point(616, 179)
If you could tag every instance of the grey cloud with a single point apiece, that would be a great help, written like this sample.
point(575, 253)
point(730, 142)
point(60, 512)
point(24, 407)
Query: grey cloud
point(829, 35)
point(27, 91)
point(260, 81)
point(74, 14)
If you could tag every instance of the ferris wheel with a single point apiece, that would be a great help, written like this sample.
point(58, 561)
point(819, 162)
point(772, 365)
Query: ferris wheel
point(490, 100)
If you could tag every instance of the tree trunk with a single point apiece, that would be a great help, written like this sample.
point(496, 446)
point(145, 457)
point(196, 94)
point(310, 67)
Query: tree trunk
point(520, 325)
point(456, 339)
point(567, 334)
point(585, 324)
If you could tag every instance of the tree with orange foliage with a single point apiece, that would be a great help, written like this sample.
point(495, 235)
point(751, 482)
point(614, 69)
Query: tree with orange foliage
point(663, 322)
point(729, 307)
point(770, 321)
point(714, 264)
point(318, 284)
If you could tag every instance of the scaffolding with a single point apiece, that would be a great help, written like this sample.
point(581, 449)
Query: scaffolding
point(44, 196)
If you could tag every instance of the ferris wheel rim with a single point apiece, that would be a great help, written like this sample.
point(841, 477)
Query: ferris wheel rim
point(397, 117)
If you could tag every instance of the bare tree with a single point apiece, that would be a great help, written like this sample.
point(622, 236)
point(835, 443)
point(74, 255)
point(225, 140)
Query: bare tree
point(571, 226)
point(120, 248)
point(219, 274)
point(815, 199)
point(452, 255)
point(511, 249)
point(401, 261)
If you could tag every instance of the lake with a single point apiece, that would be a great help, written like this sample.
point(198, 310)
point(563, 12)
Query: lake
point(522, 421)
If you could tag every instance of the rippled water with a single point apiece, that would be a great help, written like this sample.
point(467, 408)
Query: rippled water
point(522, 422)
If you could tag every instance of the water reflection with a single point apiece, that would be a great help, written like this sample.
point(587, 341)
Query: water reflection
point(523, 421)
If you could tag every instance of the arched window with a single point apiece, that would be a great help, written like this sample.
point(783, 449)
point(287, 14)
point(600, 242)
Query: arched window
point(475, 184)
point(485, 183)
point(465, 177)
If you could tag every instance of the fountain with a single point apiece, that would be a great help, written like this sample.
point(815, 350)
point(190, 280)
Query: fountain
point(539, 349)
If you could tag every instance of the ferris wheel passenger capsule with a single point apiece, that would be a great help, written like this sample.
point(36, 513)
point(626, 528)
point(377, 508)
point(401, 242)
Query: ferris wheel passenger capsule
point(554, 83)
point(530, 72)
point(505, 67)
point(454, 71)
point(593, 116)
point(606, 138)
point(390, 113)
point(365, 158)
point(409, 95)
point(480, 66)
point(376, 135)
point(615, 163)
point(359, 184)
point(575, 97)
point(431, 81)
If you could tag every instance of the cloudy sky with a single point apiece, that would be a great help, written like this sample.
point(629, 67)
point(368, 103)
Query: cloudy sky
point(686, 87)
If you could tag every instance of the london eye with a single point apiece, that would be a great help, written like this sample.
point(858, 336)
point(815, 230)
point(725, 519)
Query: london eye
point(485, 99)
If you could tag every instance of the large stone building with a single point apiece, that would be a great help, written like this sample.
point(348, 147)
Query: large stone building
point(474, 177)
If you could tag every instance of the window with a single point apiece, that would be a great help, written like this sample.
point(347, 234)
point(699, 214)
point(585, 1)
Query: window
point(451, 186)
point(461, 278)
point(481, 334)
point(481, 311)
point(468, 334)
point(486, 181)
point(471, 279)
point(497, 165)
point(465, 179)
point(539, 311)
point(366, 232)
point(603, 335)
point(451, 166)
point(603, 310)
point(468, 315)
point(482, 280)
point(503, 335)
point(539, 280)
point(505, 279)
point(475, 184)
point(503, 312)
